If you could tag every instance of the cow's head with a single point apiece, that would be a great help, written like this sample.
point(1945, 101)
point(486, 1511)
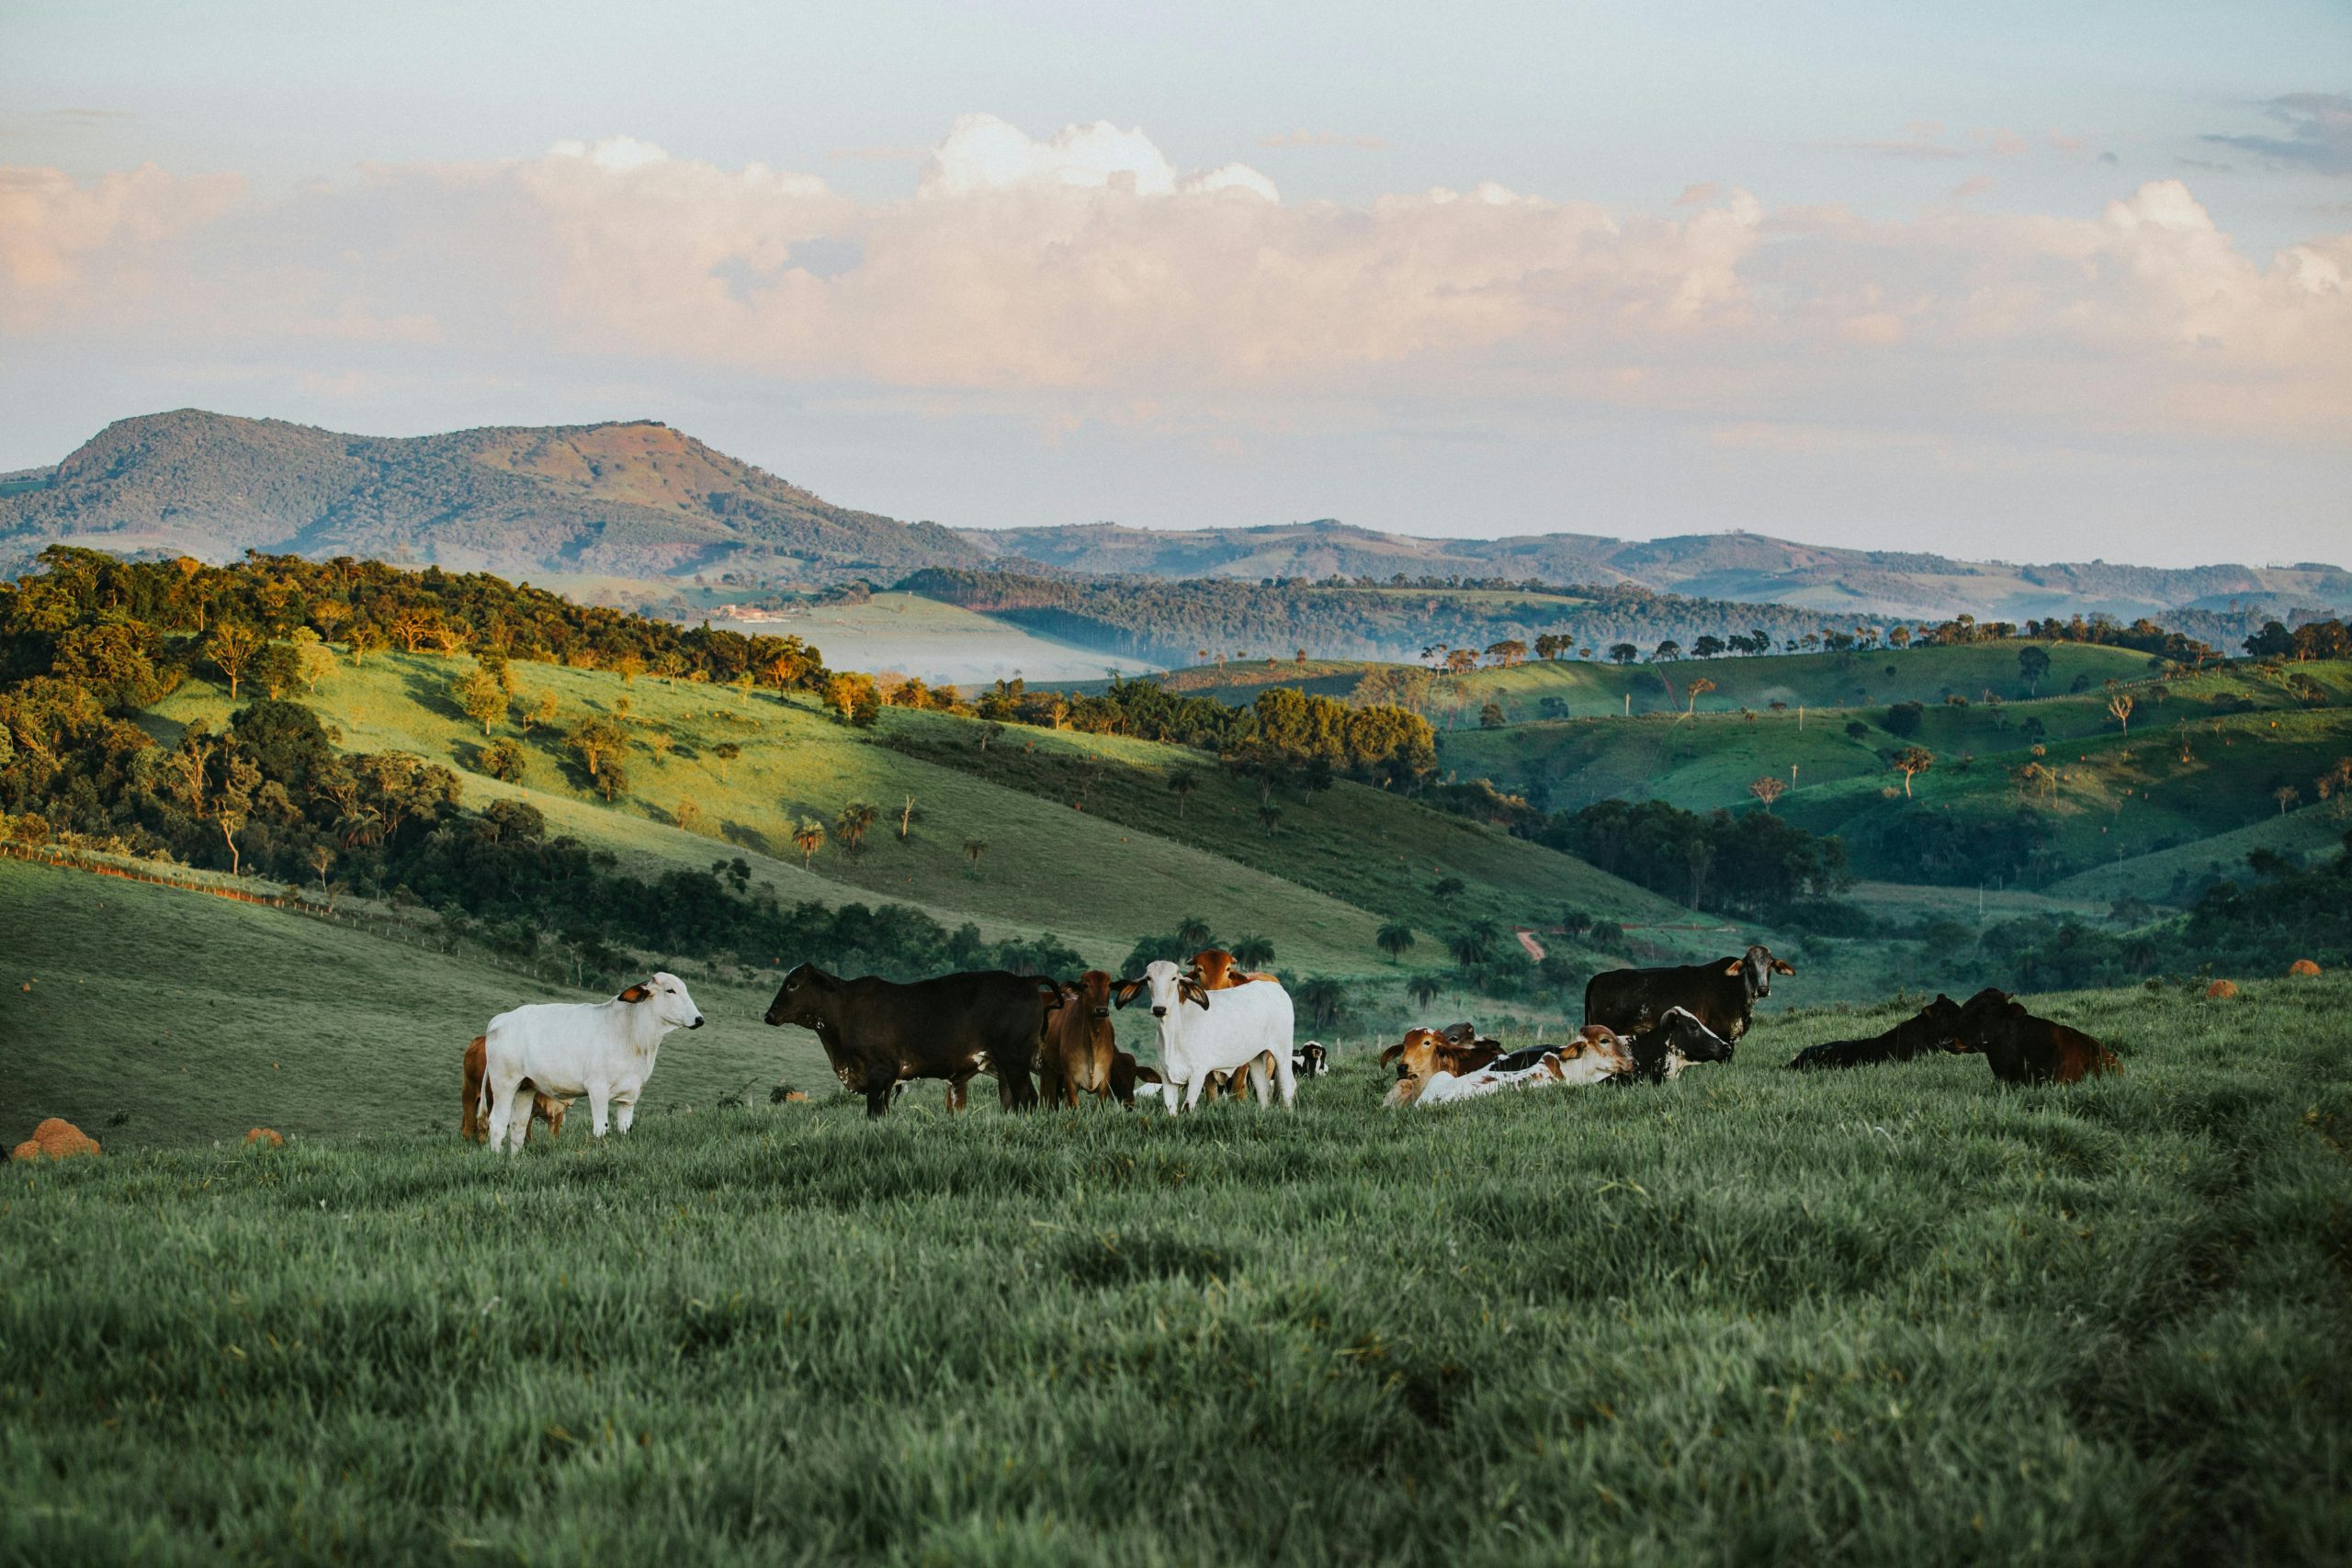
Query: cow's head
point(1169, 988)
point(1596, 1052)
point(1416, 1054)
point(1685, 1036)
point(1213, 967)
point(806, 998)
point(1089, 993)
point(1979, 1016)
point(665, 993)
point(1313, 1060)
point(1938, 1023)
point(1759, 966)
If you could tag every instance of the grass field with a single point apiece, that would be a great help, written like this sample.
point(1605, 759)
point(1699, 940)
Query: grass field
point(1895, 1316)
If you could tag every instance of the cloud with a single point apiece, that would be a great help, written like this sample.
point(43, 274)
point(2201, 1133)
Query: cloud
point(2318, 133)
point(1305, 138)
point(1082, 272)
point(1920, 138)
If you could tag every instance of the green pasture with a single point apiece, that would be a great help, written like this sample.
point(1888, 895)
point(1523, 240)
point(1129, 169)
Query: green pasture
point(1902, 1314)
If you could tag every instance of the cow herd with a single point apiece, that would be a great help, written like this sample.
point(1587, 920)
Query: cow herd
point(1221, 1030)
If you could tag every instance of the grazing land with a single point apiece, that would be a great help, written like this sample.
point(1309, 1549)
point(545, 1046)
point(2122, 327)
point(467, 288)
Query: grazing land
point(1894, 1315)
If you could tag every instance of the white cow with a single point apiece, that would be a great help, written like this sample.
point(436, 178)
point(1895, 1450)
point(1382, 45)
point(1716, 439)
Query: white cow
point(1203, 1031)
point(604, 1050)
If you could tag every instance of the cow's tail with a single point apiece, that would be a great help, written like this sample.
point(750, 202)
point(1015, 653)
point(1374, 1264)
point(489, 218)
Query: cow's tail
point(481, 1097)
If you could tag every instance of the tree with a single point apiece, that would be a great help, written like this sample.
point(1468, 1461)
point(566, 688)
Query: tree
point(1448, 888)
point(808, 837)
point(314, 660)
point(2286, 795)
point(1709, 646)
point(1697, 689)
point(725, 751)
point(599, 742)
point(231, 649)
point(1667, 652)
point(1181, 782)
point(480, 695)
point(1911, 761)
point(1270, 816)
point(1768, 788)
point(1253, 953)
point(1395, 939)
point(1490, 716)
point(502, 758)
point(973, 850)
point(1856, 729)
point(1903, 719)
point(1623, 653)
point(233, 806)
point(1324, 999)
point(2120, 705)
point(1473, 944)
point(1424, 988)
point(541, 715)
point(1192, 934)
point(856, 819)
point(906, 818)
point(2033, 663)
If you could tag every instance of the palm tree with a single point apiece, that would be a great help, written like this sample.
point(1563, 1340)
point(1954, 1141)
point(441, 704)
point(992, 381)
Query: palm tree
point(808, 837)
point(1395, 938)
point(1423, 988)
point(1324, 998)
point(1182, 780)
point(975, 848)
point(1471, 945)
point(1192, 934)
point(852, 824)
point(1448, 888)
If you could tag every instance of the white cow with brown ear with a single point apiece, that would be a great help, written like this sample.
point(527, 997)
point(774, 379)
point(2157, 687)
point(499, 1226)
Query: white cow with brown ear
point(1204, 1032)
point(604, 1050)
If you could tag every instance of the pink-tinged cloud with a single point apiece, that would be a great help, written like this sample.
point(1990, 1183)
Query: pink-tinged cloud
point(1084, 268)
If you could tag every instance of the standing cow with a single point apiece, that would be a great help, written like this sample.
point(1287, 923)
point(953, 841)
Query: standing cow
point(1075, 1057)
point(604, 1050)
point(1722, 995)
point(1199, 1035)
point(878, 1033)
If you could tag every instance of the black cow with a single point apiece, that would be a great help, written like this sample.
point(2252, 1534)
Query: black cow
point(878, 1033)
point(1722, 995)
point(1663, 1050)
point(1935, 1027)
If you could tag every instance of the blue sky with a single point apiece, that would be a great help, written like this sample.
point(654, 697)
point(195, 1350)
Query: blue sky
point(2009, 280)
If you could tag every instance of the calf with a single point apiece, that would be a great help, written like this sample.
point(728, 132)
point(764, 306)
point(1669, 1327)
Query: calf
point(878, 1033)
point(1722, 995)
point(1425, 1052)
point(604, 1050)
point(1310, 1061)
point(1663, 1050)
point(1196, 1040)
point(1214, 969)
point(1934, 1027)
point(2022, 1048)
point(1075, 1053)
point(471, 1125)
point(1129, 1080)
point(1596, 1055)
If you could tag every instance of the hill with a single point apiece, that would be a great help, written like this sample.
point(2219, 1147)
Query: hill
point(635, 500)
point(1871, 1317)
point(1752, 567)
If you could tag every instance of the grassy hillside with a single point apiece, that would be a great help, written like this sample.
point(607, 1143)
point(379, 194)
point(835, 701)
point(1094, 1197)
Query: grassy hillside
point(1893, 1315)
point(1099, 877)
point(150, 1016)
point(940, 643)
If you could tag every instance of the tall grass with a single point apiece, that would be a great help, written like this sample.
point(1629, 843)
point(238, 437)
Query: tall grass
point(1903, 1315)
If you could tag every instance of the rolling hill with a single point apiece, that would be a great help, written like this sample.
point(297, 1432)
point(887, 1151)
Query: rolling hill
point(637, 500)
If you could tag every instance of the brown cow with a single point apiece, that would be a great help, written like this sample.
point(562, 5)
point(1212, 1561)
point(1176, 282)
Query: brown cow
point(474, 1129)
point(1125, 1075)
point(1425, 1050)
point(2022, 1048)
point(1075, 1054)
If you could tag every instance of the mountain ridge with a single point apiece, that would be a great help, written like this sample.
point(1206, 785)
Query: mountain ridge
point(641, 499)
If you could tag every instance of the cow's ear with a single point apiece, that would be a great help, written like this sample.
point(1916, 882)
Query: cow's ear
point(635, 994)
point(1194, 991)
point(1125, 992)
point(1783, 967)
point(1735, 966)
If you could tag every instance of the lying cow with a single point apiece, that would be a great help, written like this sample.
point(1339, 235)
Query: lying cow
point(1933, 1028)
point(1246, 1023)
point(1595, 1056)
point(1663, 1050)
point(878, 1033)
point(1722, 995)
point(1423, 1052)
point(1074, 1054)
point(1310, 1061)
point(2022, 1048)
point(473, 1125)
point(604, 1050)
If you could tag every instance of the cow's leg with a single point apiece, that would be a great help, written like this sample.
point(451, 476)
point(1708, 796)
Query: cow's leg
point(1286, 1080)
point(959, 1092)
point(878, 1100)
point(600, 1099)
point(501, 1112)
point(623, 1109)
point(1194, 1090)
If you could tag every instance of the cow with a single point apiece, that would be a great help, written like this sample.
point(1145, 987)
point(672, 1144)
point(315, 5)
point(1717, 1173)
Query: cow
point(1594, 1056)
point(1214, 969)
point(1722, 994)
point(1933, 1027)
point(1425, 1052)
point(1129, 1080)
point(604, 1050)
point(1075, 1053)
point(1663, 1050)
point(471, 1125)
point(2022, 1048)
point(1310, 1061)
point(1196, 1040)
point(879, 1033)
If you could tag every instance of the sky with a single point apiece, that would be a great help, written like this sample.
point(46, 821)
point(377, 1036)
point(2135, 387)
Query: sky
point(2007, 281)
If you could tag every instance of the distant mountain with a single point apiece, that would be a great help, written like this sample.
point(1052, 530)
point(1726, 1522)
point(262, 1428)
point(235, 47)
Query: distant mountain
point(1751, 568)
point(635, 500)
